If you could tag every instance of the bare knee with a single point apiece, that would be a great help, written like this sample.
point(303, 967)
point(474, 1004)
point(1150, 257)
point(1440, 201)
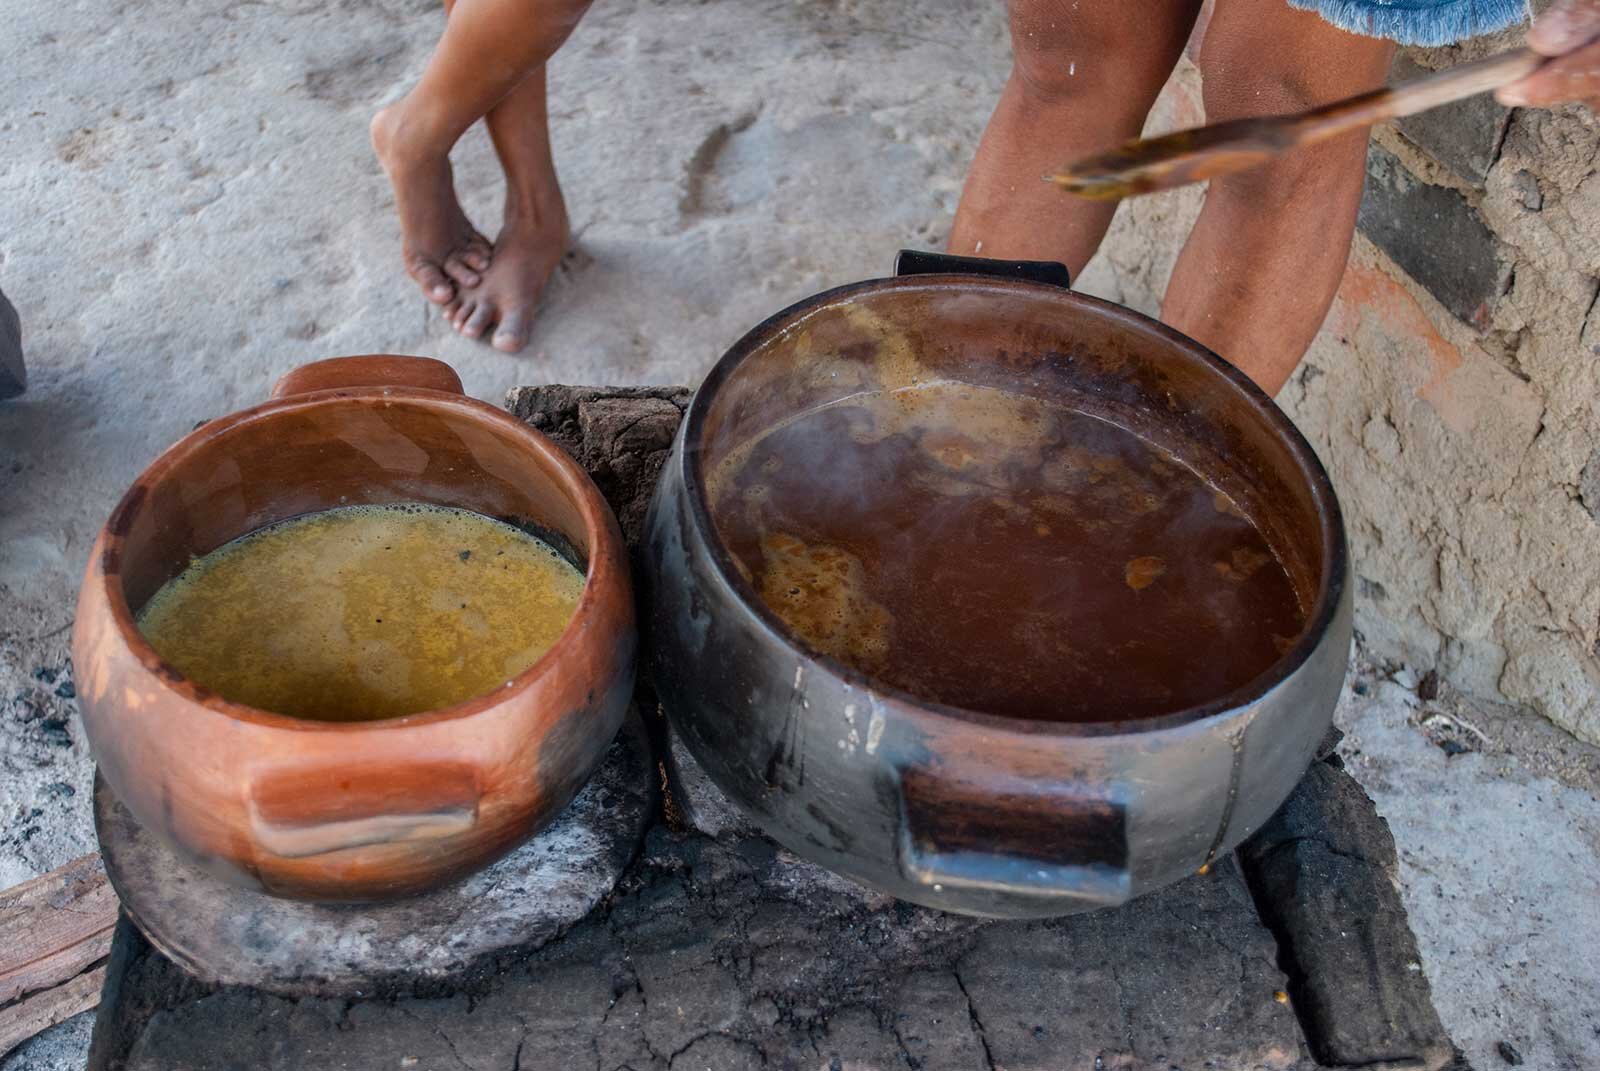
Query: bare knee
point(1245, 88)
point(1322, 182)
point(1286, 61)
point(1326, 177)
point(1047, 42)
point(1065, 48)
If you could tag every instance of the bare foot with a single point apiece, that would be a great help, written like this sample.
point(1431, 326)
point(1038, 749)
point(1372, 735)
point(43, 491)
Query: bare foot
point(507, 300)
point(441, 247)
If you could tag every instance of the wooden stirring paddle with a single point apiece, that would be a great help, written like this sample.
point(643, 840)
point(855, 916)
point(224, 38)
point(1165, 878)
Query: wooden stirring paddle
point(1171, 160)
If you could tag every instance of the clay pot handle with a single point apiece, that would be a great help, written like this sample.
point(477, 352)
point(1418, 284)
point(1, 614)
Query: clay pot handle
point(1050, 842)
point(369, 370)
point(303, 811)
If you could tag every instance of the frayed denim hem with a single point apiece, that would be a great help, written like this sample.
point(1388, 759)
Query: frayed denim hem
point(1426, 23)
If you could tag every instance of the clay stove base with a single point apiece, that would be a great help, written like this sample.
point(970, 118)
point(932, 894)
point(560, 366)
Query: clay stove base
point(226, 935)
point(726, 954)
point(720, 951)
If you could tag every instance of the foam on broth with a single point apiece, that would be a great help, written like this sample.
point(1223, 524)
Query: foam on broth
point(365, 612)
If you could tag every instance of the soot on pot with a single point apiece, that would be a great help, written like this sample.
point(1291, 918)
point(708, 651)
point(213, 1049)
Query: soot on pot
point(999, 553)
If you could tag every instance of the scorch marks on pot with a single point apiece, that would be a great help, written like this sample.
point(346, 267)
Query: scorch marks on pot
point(875, 726)
point(852, 738)
point(791, 749)
point(1235, 770)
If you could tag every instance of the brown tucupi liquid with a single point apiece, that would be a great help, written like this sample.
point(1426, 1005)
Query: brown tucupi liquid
point(365, 612)
point(991, 552)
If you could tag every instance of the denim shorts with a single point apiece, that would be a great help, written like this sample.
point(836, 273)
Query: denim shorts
point(1419, 22)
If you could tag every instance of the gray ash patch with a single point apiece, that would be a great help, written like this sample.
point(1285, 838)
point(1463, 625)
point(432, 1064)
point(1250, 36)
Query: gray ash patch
point(45, 769)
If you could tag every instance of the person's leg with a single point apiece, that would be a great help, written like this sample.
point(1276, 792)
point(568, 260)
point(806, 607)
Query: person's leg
point(534, 235)
point(1084, 74)
point(488, 49)
point(1260, 268)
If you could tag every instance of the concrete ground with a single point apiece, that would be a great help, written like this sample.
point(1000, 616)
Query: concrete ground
point(188, 208)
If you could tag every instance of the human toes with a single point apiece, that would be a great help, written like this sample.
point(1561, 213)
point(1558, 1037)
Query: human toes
point(468, 263)
point(477, 253)
point(475, 319)
point(432, 279)
point(512, 334)
point(457, 268)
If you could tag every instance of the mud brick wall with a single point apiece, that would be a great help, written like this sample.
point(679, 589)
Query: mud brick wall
point(1454, 391)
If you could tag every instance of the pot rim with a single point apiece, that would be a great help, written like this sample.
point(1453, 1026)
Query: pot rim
point(1333, 561)
point(606, 564)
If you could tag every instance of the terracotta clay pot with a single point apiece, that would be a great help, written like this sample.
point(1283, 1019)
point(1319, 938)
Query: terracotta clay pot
point(961, 809)
point(363, 810)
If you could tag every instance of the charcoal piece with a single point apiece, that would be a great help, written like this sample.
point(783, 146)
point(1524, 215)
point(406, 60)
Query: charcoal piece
point(1323, 873)
point(13, 375)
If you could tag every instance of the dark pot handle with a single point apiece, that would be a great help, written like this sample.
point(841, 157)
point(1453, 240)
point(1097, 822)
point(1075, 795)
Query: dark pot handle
point(1051, 841)
point(918, 262)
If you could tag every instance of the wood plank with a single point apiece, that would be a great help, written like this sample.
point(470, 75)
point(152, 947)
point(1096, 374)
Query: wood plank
point(24, 1019)
point(69, 880)
point(54, 926)
point(1322, 873)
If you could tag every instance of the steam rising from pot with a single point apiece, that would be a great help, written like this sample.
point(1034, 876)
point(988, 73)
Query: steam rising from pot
point(990, 550)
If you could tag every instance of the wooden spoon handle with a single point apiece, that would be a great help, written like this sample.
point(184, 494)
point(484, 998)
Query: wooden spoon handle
point(1442, 87)
point(1172, 160)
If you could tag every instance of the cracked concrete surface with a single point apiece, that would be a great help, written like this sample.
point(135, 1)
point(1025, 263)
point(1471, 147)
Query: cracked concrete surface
point(977, 1023)
point(732, 954)
point(188, 208)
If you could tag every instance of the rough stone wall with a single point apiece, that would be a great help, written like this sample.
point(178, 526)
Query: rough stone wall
point(1454, 391)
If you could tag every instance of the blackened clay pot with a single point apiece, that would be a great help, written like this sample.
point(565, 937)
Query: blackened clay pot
point(360, 810)
point(952, 808)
